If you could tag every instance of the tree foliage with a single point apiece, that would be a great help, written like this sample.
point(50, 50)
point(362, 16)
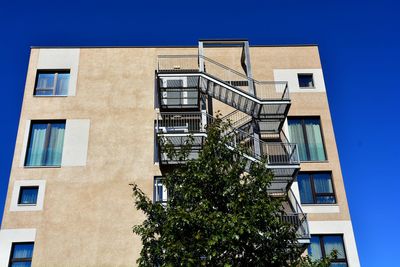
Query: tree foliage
point(218, 212)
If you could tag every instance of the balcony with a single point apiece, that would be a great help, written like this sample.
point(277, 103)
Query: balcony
point(267, 101)
point(180, 129)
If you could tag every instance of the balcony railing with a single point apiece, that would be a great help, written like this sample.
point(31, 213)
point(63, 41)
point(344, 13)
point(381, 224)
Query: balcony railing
point(176, 127)
point(264, 90)
point(301, 221)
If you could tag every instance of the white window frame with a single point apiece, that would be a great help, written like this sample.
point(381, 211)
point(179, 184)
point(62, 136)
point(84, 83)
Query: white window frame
point(14, 206)
point(10, 236)
point(158, 180)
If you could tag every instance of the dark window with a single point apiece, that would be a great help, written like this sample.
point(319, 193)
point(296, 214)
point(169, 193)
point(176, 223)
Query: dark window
point(46, 140)
point(306, 133)
point(306, 80)
point(316, 188)
point(52, 82)
point(28, 195)
point(21, 254)
point(179, 92)
point(322, 246)
point(160, 190)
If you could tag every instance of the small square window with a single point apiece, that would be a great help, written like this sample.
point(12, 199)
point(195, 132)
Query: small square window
point(28, 195)
point(52, 83)
point(306, 80)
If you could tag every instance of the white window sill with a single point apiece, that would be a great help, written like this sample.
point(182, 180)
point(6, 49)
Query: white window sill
point(41, 167)
point(320, 208)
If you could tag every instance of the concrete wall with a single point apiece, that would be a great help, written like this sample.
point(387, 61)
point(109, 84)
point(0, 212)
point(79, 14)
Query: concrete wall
point(88, 208)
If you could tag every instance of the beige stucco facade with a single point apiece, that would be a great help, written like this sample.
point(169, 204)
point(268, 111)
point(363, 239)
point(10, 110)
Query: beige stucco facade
point(88, 211)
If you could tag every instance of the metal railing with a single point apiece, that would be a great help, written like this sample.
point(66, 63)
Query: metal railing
point(280, 153)
point(237, 118)
point(188, 122)
point(264, 90)
point(196, 122)
point(302, 223)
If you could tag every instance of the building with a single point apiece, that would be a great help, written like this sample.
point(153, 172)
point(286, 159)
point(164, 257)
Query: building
point(88, 128)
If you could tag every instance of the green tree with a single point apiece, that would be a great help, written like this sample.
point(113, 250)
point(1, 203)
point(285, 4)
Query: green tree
point(218, 212)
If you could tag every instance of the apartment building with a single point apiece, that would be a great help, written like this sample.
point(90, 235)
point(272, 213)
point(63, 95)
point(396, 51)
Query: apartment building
point(91, 123)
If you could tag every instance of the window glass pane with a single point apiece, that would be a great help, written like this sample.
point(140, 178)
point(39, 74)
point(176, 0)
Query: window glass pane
point(314, 249)
point(314, 138)
point(305, 188)
point(62, 84)
point(22, 251)
point(55, 147)
point(28, 195)
point(306, 80)
point(45, 148)
point(322, 183)
point(160, 190)
point(21, 264)
point(36, 149)
point(45, 81)
point(334, 242)
point(325, 199)
point(297, 136)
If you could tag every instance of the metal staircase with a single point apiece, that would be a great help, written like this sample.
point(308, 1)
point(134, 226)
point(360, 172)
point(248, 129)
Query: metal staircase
point(269, 103)
point(179, 129)
point(187, 83)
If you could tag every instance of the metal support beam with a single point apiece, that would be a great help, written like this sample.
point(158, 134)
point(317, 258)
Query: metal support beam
point(201, 55)
point(255, 131)
point(247, 66)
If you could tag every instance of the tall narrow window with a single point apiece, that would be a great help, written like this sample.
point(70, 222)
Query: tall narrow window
point(322, 246)
point(28, 195)
point(21, 254)
point(316, 188)
point(45, 143)
point(50, 83)
point(307, 134)
point(160, 190)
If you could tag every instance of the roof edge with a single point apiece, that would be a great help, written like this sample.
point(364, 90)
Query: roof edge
point(160, 46)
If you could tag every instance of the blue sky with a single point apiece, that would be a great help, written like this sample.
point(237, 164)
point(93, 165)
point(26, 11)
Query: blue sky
point(359, 44)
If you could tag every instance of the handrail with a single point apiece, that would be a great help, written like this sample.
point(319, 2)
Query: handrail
point(237, 117)
point(263, 86)
point(303, 230)
point(196, 122)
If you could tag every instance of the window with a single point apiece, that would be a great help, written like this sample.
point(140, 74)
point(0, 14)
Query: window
point(322, 245)
point(28, 195)
point(306, 133)
point(306, 80)
point(50, 83)
point(45, 145)
point(21, 254)
point(178, 92)
point(160, 190)
point(316, 188)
